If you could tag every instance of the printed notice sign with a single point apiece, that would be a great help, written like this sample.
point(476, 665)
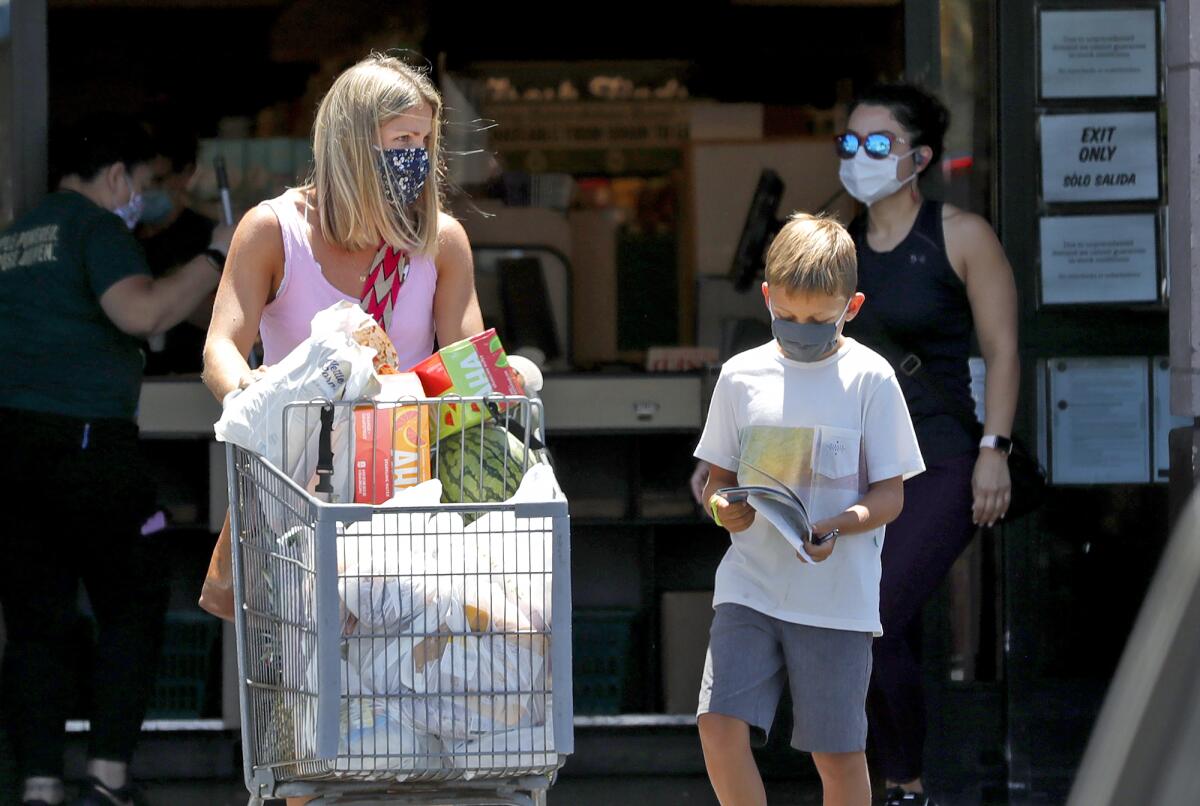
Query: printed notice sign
point(1100, 157)
point(1109, 258)
point(1099, 54)
point(1100, 420)
point(1164, 420)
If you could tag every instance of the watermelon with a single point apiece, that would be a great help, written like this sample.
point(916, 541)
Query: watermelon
point(481, 464)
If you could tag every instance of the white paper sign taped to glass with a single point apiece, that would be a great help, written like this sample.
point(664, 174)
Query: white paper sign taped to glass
point(1100, 157)
point(1164, 420)
point(1097, 259)
point(1099, 54)
point(1100, 420)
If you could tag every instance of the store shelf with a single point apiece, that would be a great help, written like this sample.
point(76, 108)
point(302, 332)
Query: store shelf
point(618, 721)
point(576, 403)
point(636, 522)
point(634, 721)
point(177, 407)
point(162, 726)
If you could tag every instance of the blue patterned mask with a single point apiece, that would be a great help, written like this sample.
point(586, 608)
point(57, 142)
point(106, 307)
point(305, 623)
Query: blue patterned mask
point(404, 171)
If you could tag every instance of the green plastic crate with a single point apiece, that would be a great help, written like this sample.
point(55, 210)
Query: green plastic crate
point(190, 644)
point(602, 650)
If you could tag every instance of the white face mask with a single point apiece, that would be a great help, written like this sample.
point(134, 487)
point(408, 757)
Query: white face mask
point(131, 211)
point(869, 180)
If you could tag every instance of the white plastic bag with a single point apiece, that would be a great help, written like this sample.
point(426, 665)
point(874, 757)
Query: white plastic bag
point(527, 748)
point(483, 679)
point(377, 732)
point(520, 550)
point(376, 736)
point(452, 621)
point(328, 365)
point(387, 567)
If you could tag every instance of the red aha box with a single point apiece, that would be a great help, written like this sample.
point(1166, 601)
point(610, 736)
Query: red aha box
point(391, 441)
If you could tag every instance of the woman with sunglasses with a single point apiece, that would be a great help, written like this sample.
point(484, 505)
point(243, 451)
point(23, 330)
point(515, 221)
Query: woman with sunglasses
point(933, 275)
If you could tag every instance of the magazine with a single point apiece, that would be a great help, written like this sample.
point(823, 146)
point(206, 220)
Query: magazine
point(781, 507)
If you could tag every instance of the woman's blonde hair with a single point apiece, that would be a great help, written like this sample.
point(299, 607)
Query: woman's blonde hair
point(354, 212)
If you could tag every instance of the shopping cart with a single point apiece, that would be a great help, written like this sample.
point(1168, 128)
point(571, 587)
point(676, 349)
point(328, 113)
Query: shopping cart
point(415, 654)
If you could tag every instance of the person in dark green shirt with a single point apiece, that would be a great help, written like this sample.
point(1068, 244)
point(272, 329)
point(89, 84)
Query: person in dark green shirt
point(77, 301)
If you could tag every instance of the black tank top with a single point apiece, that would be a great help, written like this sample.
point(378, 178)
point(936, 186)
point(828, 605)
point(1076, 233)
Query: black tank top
point(914, 294)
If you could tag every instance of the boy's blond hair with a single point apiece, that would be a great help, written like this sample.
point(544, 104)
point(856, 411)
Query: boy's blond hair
point(813, 254)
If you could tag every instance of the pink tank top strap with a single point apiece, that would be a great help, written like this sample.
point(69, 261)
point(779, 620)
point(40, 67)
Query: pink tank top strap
point(297, 252)
point(304, 291)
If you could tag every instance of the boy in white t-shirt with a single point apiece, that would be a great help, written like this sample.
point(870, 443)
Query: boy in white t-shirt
point(825, 415)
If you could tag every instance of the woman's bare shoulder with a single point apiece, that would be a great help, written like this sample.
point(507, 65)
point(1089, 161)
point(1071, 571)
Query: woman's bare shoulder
point(259, 225)
point(963, 222)
point(258, 241)
point(449, 227)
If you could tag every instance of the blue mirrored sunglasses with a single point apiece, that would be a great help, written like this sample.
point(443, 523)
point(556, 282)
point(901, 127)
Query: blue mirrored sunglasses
point(878, 145)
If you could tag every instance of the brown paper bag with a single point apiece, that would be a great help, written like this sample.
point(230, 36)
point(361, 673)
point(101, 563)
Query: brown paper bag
point(217, 595)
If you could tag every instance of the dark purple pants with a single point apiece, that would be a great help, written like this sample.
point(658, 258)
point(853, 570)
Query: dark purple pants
point(918, 550)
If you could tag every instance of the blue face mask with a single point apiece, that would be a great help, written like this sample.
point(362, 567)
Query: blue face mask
point(404, 171)
point(156, 206)
point(807, 342)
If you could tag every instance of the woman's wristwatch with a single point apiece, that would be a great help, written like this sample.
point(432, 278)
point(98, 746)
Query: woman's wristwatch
point(997, 442)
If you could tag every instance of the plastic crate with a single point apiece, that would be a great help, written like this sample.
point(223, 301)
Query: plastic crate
point(190, 642)
point(602, 648)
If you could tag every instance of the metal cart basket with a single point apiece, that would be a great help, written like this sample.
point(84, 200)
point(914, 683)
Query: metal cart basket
point(411, 652)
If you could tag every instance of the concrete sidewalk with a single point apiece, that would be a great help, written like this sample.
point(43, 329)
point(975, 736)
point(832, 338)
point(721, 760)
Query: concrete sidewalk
point(656, 791)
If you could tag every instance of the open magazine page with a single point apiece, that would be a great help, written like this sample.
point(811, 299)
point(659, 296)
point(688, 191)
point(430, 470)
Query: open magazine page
point(790, 522)
point(795, 476)
point(777, 470)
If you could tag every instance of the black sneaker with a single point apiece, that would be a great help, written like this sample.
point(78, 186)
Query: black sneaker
point(898, 797)
point(94, 793)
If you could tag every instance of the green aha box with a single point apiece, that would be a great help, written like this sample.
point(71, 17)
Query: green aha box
point(472, 367)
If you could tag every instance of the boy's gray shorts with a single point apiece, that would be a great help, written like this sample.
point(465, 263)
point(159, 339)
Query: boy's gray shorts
point(751, 655)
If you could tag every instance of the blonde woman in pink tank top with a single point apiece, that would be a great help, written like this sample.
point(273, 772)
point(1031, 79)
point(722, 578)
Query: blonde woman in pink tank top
point(368, 227)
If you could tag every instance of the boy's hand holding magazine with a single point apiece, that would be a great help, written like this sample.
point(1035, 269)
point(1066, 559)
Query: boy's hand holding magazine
point(734, 508)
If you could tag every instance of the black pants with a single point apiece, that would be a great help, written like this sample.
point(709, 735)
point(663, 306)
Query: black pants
point(75, 495)
point(918, 550)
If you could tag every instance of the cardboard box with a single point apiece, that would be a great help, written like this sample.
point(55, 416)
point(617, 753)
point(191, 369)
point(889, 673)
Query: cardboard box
point(472, 367)
point(372, 454)
point(686, 620)
point(594, 284)
point(410, 447)
point(391, 441)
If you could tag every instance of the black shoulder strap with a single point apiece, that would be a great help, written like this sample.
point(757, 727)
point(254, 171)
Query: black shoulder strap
point(908, 363)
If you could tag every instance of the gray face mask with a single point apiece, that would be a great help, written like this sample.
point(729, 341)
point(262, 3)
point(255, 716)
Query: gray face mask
point(806, 342)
